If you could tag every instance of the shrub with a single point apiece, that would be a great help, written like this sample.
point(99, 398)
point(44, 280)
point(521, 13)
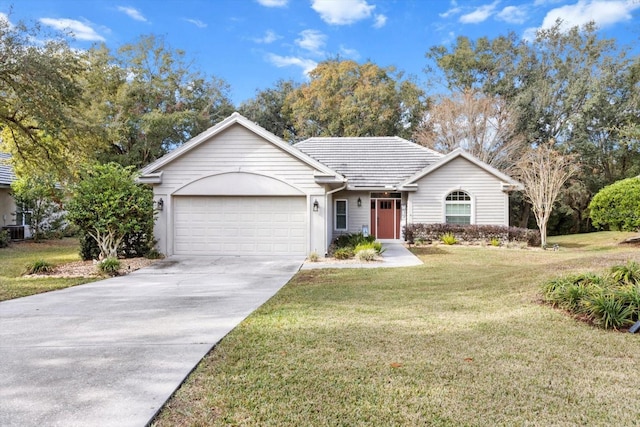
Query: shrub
point(351, 240)
point(314, 257)
point(617, 205)
point(5, 238)
point(628, 273)
point(471, 233)
point(154, 254)
point(448, 239)
point(113, 209)
point(109, 266)
point(495, 241)
point(604, 301)
point(366, 255)
point(343, 253)
point(608, 311)
point(375, 246)
point(39, 266)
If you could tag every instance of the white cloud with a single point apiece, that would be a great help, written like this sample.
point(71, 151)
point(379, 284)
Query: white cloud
point(481, 14)
point(132, 13)
point(307, 65)
point(453, 10)
point(602, 12)
point(269, 37)
point(513, 14)
point(80, 30)
point(198, 23)
point(312, 40)
point(545, 2)
point(273, 3)
point(380, 21)
point(349, 53)
point(342, 12)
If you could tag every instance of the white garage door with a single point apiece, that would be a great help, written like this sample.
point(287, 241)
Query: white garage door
point(240, 225)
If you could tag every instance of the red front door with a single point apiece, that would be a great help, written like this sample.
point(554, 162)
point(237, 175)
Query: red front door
point(385, 218)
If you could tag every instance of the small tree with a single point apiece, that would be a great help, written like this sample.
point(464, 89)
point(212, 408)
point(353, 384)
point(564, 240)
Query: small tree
point(107, 205)
point(39, 195)
point(543, 171)
point(617, 205)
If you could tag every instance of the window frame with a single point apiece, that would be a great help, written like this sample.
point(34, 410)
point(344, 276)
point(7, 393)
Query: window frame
point(468, 202)
point(345, 214)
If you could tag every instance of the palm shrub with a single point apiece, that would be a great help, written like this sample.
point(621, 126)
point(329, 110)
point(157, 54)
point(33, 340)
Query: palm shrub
point(448, 239)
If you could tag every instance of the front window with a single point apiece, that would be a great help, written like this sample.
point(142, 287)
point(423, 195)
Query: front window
point(458, 208)
point(341, 214)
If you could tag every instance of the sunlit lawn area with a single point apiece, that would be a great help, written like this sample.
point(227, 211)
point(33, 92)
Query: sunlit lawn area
point(461, 340)
point(14, 259)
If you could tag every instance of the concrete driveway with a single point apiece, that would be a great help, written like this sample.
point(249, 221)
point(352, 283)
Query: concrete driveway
point(110, 353)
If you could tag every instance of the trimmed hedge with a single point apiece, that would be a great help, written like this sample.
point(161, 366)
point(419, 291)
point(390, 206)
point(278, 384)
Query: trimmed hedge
point(471, 233)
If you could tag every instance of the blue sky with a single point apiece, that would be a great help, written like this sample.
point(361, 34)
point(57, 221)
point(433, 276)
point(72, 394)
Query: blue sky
point(253, 43)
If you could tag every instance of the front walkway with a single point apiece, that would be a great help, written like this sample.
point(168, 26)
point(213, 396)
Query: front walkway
point(394, 255)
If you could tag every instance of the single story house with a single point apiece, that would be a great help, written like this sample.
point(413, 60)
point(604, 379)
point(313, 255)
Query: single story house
point(237, 189)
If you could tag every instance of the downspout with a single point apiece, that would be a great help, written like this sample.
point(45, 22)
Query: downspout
point(326, 201)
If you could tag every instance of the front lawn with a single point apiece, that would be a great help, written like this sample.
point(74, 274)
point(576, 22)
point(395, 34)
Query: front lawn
point(14, 258)
point(462, 340)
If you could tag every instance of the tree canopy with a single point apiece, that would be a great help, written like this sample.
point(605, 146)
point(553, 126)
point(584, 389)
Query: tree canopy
point(42, 104)
point(344, 98)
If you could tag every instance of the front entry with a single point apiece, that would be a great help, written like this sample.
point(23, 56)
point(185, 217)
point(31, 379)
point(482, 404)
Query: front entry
point(385, 218)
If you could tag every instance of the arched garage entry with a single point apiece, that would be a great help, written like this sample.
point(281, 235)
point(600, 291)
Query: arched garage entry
point(240, 213)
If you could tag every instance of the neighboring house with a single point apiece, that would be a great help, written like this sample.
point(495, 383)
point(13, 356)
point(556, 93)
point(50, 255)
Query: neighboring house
point(237, 189)
point(7, 204)
point(10, 214)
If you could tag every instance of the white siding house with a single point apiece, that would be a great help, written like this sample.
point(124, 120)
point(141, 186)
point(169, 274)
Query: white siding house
point(237, 189)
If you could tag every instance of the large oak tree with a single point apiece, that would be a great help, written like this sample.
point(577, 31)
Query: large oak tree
point(345, 98)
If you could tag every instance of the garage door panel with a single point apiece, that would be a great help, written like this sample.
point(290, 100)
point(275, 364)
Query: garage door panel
point(240, 225)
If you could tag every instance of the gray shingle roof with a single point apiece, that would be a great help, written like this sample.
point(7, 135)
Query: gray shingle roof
point(6, 170)
point(370, 161)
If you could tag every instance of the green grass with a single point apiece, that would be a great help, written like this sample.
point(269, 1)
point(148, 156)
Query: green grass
point(462, 340)
point(14, 258)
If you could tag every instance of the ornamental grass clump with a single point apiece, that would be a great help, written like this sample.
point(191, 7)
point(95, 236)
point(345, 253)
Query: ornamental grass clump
point(366, 255)
point(39, 266)
point(109, 266)
point(610, 301)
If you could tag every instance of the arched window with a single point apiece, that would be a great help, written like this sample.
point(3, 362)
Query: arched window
point(458, 208)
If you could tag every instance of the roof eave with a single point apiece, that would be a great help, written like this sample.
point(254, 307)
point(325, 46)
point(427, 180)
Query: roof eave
point(150, 178)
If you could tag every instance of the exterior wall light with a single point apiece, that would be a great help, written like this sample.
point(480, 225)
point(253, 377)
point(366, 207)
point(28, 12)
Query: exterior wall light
point(160, 204)
point(316, 205)
point(359, 202)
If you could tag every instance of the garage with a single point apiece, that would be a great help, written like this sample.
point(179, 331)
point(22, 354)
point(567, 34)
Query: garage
point(232, 225)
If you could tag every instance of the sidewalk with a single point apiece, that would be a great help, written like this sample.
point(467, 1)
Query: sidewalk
point(394, 255)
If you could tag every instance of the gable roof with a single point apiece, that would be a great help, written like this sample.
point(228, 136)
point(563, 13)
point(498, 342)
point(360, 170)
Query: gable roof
point(7, 176)
point(236, 118)
point(370, 162)
point(458, 152)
